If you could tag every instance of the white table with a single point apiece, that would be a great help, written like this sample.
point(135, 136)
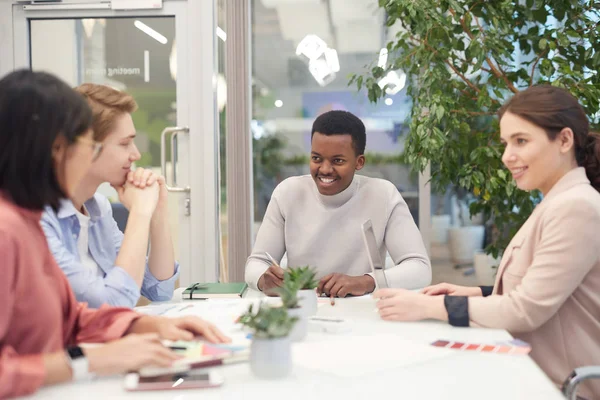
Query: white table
point(461, 375)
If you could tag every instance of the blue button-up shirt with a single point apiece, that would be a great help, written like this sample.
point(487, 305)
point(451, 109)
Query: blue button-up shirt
point(115, 287)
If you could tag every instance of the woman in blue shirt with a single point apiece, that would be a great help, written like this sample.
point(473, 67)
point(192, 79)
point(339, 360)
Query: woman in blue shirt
point(102, 264)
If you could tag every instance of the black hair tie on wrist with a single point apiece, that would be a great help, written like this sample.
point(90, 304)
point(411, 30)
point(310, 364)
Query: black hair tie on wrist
point(458, 310)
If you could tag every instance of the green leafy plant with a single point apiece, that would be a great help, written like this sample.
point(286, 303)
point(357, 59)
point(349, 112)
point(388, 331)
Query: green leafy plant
point(268, 322)
point(463, 60)
point(288, 292)
point(304, 277)
point(267, 153)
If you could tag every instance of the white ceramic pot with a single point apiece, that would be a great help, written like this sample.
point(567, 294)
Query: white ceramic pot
point(308, 301)
point(485, 268)
point(440, 224)
point(271, 358)
point(464, 242)
point(300, 328)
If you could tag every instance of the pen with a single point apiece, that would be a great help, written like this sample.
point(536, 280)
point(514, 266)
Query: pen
point(166, 309)
point(185, 307)
point(271, 259)
point(173, 345)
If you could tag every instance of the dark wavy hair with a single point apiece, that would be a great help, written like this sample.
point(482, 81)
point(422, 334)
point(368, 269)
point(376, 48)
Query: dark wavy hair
point(553, 109)
point(35, 108)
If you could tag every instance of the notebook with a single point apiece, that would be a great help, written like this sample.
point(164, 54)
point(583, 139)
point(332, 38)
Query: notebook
point(214, 291)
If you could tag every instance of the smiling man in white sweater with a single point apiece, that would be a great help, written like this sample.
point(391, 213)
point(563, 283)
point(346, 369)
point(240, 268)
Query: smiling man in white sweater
point(316, 219)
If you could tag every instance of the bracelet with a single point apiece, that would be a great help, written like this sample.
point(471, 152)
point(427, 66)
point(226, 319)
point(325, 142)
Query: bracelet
point(458, 310)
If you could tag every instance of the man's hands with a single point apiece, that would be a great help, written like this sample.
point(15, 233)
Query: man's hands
point(271, 279)
point(340, 285)
point(140, 193)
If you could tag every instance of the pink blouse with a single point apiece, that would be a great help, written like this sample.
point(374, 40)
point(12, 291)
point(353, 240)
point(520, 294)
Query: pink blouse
point(38, 311)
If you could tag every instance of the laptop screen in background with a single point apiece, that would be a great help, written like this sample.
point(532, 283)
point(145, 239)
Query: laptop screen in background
point(372, 245)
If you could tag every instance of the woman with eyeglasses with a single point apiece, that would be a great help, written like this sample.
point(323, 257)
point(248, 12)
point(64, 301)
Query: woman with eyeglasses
point(103, 264)
point(46, 148)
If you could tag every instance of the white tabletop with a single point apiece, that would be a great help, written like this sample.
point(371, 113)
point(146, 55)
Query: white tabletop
point(459, 375)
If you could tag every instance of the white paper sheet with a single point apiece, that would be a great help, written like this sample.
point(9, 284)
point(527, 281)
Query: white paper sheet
point(353, 356)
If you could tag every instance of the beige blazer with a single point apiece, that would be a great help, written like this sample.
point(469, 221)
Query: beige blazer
point(547, 289)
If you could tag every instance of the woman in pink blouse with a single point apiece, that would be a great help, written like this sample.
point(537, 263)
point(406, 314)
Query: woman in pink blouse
point(46, 147)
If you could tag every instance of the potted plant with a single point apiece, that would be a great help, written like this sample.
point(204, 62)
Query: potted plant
point(485, 266)
point(289, 297)
point(305, 278)
point(440, 223)
point(463, 60)
point(465, 238)
point(270, 351)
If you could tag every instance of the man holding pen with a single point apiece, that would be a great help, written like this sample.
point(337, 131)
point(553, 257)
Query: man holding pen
point(316, 219)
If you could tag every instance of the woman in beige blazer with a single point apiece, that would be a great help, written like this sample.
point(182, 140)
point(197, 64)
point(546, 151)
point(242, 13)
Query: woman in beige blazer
point(547, 289)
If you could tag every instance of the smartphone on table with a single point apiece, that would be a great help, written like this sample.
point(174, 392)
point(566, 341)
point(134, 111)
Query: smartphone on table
point(193, 379)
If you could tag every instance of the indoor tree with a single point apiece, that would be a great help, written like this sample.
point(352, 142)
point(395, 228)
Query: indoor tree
point(463, 60)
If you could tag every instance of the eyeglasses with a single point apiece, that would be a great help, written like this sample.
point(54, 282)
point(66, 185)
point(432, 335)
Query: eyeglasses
point(96, 146)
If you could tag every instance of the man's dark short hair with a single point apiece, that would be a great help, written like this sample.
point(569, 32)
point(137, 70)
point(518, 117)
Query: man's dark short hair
point(35, 108)
point(339, 122)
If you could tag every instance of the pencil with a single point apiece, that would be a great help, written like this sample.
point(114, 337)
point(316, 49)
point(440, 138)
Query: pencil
point(332, 300)
point(271, 259)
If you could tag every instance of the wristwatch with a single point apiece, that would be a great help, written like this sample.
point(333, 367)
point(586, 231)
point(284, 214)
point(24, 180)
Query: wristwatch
point(79, 364)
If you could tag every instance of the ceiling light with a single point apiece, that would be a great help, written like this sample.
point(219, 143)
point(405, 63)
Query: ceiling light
point(278, 103)
point(389, 102)
point(321, 71)
point(394, 81)
point(88, 26)
point(221, 34)
point(173, 61)
point(332, 60)
point(150, 32)
point(221, 92)
point(311, 47)
point(383, 56)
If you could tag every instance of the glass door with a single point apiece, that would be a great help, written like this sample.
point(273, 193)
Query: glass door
point(149, 53)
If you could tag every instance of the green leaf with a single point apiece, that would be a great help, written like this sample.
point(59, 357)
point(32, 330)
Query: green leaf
point(440, 113)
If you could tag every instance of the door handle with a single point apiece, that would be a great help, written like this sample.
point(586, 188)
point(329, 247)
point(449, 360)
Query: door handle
point(172, 185)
